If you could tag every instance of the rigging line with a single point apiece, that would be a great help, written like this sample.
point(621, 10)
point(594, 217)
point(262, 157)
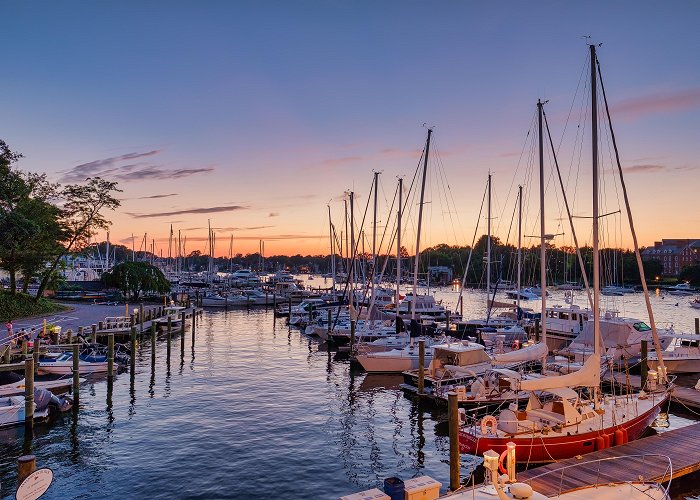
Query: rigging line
point(471, 249)
point(631, 223)
point(568, 212)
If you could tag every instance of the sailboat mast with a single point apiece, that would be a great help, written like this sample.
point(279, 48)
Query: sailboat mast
point(596, 257)
point(488, 247)
point(330, 235)
point(398, 247)
point(520, 242)
point(107, 254)
point(351, 250)
point(374, 233)
point(543, 245)
point(420, 220)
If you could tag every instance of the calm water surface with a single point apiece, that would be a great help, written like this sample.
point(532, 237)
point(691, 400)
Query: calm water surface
point(253, 411)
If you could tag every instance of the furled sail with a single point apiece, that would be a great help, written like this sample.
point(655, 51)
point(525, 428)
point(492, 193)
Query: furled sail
point(587, 376)
point(529, 353)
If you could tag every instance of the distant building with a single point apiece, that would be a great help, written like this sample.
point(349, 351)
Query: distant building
point(674, 254)
point(440, 275)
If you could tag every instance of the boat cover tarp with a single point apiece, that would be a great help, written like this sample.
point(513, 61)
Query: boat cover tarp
point(587, 376)
point(529, 353)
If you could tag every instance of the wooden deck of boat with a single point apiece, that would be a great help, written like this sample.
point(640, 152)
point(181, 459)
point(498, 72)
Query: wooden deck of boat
point(680, 445)
point(684, 396)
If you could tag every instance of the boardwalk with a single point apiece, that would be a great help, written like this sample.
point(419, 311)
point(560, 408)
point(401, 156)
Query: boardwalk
point(679, 445)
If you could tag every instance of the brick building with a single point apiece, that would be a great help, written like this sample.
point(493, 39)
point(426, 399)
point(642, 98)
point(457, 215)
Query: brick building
point(674, 254)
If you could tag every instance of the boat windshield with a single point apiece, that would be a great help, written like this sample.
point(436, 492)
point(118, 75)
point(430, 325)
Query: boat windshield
point(641, 327)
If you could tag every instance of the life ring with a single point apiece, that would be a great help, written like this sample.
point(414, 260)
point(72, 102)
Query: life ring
point(501, 459)
point(489, 424)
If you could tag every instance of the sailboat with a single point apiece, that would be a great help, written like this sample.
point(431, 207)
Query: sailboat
point(560, 422)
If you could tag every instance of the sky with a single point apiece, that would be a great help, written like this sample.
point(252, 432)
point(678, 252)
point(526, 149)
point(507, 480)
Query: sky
point(256, 116)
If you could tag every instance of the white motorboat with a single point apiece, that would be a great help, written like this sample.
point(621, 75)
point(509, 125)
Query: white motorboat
point(524, 294)
point(681, 289)
point(695, 303)
point(214, 300)
point(12, 408)
point(63, 364)
point(682, 356)
point(425, 305)
point(401, 359)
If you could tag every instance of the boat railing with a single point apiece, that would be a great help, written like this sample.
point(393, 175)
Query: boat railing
point(655, 465)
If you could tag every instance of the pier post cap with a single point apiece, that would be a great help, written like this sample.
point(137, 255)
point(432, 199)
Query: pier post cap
point(26, 459)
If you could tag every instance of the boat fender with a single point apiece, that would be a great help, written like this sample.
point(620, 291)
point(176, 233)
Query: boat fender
point(625, 435)
point(608, 440)
point(521, 490)
point(502, 459)
point(599, 443)
point(619, 437)
point(489, 424)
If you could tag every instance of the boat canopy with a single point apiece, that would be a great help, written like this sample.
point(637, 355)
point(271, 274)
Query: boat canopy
point(587, 376)
point(511, 374)
point(460, 355)
point(529, 353)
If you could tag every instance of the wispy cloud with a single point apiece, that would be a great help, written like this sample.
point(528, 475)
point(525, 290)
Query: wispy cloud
point(273, 214)
point(115, 168)
point(378, 157)
point(652, 167)
point(250, 228)
point(660, 102)
point(156, 196)
point(207, 210)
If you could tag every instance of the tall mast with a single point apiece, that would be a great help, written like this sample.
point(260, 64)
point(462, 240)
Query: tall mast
point(420, 220)
point(133, 248)
point(170, 249)
point(596, 257)
point(330, 234)
point(107, 254)
point(374, 233)
point(520, 242)
point(488, 247)
point(543, 245)
point(347, 247)
point(398, 247)
point(230, 255)
point(351, 251)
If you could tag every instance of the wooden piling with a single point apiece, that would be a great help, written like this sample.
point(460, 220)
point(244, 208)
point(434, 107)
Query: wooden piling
point(141, 317)
point(194, 320)
point(330, 322)
point(537, 330)
point(100, 325)
point(352, 334)
point(26, 465)
point(421, 366)
point(81, 331)
point(643, 362)
point(132, 358)
point(170, 331)
point(24, 348)
point(29, 391)
point(76, 374)
point(69, 336)
point(36, 349)
point(153, 343)
point(697, 326)
point(182, 332)
point(452, 410)
point(7, 354)
point(94, 333)
point(110, 355)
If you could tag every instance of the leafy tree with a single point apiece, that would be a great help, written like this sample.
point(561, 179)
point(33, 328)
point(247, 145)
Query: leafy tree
point(689, 273)
point(82, 217)
point(133, 278)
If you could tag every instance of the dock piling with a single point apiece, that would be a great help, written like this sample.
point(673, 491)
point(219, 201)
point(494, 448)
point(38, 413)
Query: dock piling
point(644, 367)
point(330, 322)
point(29, 392)
point(26, 465)
point(421, 366)
point(352, 334)
point(697, 326)
point(452, 410)
point(110, 356)
point(36, 349)
point(182, 333)
point(24, 348)
point(141, 316)
point(94, 333)
point(76, 375)
point(194, 321)
point(170, 332)
point(153, 343)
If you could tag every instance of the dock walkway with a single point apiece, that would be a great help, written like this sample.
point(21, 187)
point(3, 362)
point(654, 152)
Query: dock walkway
point(680, 445)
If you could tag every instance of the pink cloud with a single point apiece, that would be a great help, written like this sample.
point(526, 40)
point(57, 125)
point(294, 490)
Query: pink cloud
point(662, 102)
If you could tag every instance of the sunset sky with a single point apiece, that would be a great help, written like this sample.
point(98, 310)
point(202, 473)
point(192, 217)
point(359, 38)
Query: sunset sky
point(256, 115)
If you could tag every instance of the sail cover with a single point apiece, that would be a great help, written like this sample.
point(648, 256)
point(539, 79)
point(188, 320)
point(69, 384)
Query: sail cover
point(587, 376)
point(529, 353)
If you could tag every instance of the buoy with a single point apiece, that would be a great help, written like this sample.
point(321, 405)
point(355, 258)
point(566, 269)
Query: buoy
point(501, 459)
point(599, 443)
point(619, 437)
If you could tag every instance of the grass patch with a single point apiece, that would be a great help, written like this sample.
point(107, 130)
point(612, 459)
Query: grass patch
point(22, 305)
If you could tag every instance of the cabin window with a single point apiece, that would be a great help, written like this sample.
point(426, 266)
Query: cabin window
point(563, 316)
point(641, 327)
point(574, 316)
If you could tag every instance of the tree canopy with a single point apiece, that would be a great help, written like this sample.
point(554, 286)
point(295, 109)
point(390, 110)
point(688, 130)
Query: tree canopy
point(135, 278)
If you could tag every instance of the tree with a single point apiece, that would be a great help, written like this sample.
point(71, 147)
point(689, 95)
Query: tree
point(82, 216)
point(29, 222)
point(133, 278)
point(690, 273)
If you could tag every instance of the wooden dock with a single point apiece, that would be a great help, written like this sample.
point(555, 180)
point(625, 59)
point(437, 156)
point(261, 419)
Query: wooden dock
point(683, 396)
point(680, 445)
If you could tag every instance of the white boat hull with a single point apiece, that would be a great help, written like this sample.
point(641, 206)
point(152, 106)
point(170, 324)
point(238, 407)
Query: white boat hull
point(66, 368)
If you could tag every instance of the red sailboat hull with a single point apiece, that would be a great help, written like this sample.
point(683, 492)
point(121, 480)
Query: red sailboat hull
point(541, 449)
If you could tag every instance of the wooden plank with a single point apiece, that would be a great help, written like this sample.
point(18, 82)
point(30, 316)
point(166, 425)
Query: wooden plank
point(677, 445)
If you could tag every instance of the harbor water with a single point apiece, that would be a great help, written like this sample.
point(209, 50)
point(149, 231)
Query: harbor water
point(253, 410)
